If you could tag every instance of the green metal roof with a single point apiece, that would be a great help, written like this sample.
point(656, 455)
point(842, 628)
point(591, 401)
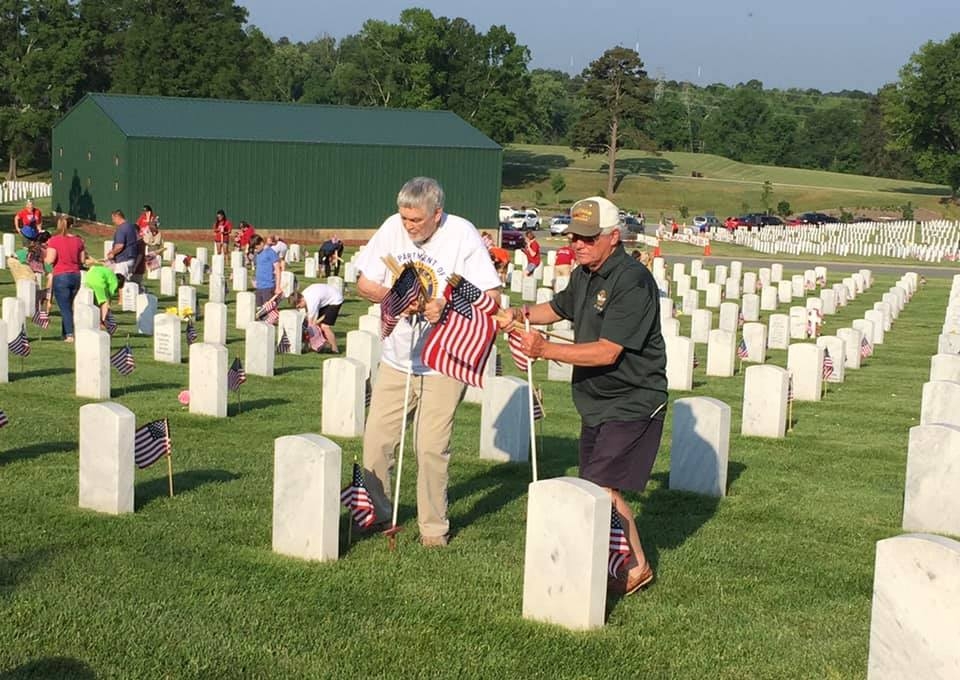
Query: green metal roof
point(219, 119)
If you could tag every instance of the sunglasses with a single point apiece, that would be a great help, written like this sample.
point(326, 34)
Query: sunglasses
point(588, 240)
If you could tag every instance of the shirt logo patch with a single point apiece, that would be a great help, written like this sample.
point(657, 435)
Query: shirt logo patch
point(601, 301)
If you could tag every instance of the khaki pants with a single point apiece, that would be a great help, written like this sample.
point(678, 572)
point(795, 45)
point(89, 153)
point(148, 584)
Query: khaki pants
point(433, 403)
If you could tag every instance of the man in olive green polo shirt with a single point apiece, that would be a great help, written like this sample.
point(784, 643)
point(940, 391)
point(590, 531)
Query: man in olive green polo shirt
point(619, 363)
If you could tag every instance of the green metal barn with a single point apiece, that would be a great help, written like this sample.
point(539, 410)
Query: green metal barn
point(277, 166)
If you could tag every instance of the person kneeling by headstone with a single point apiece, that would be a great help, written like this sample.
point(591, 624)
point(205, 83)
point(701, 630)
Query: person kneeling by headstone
point(105, 284)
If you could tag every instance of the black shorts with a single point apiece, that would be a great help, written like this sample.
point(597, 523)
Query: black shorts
point(328, 315)
point(619, 454)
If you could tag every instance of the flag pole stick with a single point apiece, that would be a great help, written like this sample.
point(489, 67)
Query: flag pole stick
point(392, 531)
point(170, 473)
point(533, 429)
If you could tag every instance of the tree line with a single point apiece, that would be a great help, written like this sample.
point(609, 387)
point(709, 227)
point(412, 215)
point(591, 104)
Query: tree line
point(55, 51)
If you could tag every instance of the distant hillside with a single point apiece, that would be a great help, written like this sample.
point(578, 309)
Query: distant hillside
point(662, 183)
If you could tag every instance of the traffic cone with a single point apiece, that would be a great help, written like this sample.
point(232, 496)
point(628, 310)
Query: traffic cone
point(706, 250)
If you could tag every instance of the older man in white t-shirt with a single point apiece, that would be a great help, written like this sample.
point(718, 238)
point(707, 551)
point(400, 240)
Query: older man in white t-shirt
point(438, 245)
point(322, 305)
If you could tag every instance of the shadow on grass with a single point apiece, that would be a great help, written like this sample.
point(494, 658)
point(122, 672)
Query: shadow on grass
point(920, 191)
point(64, 667)
point(15, 569)
point(293, 369)
point(35, 450)
point(523, 167)
point(183, 482)
point(122, 389)
point(40, 372)
point(245, 406)
point(668, 518)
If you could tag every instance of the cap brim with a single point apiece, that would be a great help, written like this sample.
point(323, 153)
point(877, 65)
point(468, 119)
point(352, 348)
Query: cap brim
point(580, 230)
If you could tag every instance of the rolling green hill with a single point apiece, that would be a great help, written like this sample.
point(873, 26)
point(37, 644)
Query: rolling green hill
point(661, 183)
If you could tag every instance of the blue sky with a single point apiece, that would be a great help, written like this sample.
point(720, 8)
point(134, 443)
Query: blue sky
point(828, 45)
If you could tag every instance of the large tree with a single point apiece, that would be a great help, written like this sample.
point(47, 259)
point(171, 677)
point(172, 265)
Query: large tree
point(923, 111)
point(617, 93)
point(43, 52)
point(185, 48)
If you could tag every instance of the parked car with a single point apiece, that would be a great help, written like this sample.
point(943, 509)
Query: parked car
point(526, 219)
point(704, 222)
point(813, 218)
point(558, 224)
point(633, 225)
point(510, 238)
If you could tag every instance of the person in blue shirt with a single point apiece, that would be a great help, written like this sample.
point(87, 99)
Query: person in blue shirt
point(267, 271)
point(122, 257)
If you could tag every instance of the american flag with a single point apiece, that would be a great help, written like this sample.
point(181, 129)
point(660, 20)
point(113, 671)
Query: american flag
point(789, 389)
point(110, 323)
point(827, 364)
point(619, 547)
point(151, 443)
point(191, 331)
point(401, 295)
point(538, 405)
point(20, 345)
point(356, 499)
point(315, 338)
point(866, 349)
point(498, 369)
point(459, 344)
point(41, 318)
point(284, 346)
point(270, 312)
point(515, 343)
point(4, 421)
point(123, 360)
point(236, 376)
point(367, 393)
point(742, 350)
point(696, 361)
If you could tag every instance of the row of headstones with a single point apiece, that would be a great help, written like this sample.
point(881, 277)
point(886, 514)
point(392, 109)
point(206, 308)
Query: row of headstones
point(916, 585)
point(568, 520)
point(765, 396)
point(20, 190)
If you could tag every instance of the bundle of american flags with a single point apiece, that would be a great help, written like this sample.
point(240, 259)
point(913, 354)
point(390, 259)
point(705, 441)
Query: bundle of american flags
point(356, 498)
point(459, 344)
point(20, 345)
point(192, 335)
point(515, 343)
point(41, 318)
point(827, 364)
point(151, 443)
point(123, 360)
point(315, 338)
point(404, 291)
point(619, 546)
point(269, 312)
point(236, 376)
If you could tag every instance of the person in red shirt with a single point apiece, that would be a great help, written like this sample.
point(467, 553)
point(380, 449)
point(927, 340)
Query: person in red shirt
point(66, 253)
point(28, 222)
point(532, 252)
point(564, 261)
point(221, 233)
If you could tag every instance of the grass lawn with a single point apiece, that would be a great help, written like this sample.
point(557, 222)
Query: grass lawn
point(660, 183)
point(773, 581)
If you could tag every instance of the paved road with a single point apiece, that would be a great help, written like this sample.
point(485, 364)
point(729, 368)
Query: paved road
point(832, 265)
